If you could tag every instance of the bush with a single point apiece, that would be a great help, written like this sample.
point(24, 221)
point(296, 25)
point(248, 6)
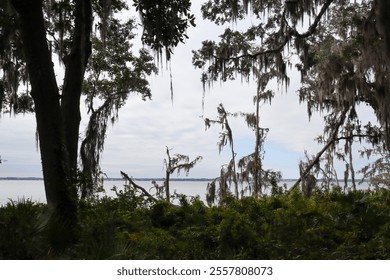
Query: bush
point(22, 230)
point(332, 225)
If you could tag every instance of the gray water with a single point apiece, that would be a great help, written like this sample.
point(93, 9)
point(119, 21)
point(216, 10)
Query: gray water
point(33, 189)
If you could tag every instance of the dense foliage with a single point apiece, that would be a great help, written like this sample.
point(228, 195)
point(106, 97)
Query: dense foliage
point(333, 225)
point(340, 49)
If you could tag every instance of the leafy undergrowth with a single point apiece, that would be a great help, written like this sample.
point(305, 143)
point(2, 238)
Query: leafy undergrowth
point(335, 225)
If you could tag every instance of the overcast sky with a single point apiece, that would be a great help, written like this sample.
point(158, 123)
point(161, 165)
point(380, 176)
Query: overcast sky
point(136, 144)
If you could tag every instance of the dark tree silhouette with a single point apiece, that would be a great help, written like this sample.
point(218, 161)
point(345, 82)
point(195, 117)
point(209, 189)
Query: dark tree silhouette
point(31, 33)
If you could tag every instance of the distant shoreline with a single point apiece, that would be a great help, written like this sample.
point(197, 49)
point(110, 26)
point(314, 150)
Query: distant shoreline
point(121, 179)
point(109, 179)
point(146, 179)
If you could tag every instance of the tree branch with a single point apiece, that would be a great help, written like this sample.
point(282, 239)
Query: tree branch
point(136, 186)
point(331, 141)
point(291, 33)
point(313, 27)
point(352, 136)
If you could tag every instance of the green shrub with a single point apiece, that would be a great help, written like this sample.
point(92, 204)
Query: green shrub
point(22, 230)
point(333, 225)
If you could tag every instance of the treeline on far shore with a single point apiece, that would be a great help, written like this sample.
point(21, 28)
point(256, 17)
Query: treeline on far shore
point(114, 179)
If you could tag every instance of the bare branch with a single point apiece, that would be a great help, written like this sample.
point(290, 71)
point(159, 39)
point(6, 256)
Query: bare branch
point(136, 186)
point(331, 141)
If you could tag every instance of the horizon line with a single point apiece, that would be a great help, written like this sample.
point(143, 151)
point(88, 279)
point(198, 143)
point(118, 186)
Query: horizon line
point(32, 178)
point(10, 178)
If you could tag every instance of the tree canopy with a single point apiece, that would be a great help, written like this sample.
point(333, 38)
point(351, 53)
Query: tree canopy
point(339, 47)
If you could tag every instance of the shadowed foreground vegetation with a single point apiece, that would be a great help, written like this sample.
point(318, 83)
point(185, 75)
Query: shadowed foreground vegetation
point(334, 225)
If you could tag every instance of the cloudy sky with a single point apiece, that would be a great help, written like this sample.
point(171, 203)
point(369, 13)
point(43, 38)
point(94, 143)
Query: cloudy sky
point(136, 144)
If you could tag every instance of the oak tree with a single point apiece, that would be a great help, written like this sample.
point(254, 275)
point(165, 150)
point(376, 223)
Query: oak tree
point(84, 36)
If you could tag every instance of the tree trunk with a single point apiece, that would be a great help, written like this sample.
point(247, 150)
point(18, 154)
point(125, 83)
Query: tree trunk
point(382, 10)
point(166, 186)
point(257, 161)
point(167, 176)
point(382, 20)
point(44, 91)
point(75, 64)
point(60, 194)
